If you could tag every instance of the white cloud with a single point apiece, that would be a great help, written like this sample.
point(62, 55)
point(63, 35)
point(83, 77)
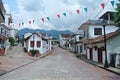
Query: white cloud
point(36, 9)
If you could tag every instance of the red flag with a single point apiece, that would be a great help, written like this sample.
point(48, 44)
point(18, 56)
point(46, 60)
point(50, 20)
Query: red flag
point(42, 19)
point(58, 15)
point(78, 11)
point(19, 24)
point(103, 5)
point(29, 22)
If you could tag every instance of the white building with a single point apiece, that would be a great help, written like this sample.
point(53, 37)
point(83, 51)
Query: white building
point(63, 39)
point(95, 49)
point(113, 49)
point(36, 41)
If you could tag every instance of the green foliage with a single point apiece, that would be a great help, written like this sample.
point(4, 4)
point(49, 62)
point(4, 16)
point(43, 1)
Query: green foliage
point(116, 15)
point(34, 52)
point(12, 41)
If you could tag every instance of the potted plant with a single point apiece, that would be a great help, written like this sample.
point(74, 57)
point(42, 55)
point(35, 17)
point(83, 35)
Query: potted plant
point(34, 52)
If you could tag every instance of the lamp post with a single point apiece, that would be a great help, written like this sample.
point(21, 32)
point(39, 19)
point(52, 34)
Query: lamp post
point(105, 45)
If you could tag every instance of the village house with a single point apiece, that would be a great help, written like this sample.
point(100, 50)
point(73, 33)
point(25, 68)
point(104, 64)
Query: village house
point(113, 49)
point(3, 30)
point(94, 28)
point(95, 49)
point(74, 40)
point(36, 41)
point(64, 38)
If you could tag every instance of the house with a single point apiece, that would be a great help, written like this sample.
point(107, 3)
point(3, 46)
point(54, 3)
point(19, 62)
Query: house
point(74, 40)
point(94, 28)
point(95, 48)
point(63, 40)
point(36, 41)
point(113, 49)
point(3, 31)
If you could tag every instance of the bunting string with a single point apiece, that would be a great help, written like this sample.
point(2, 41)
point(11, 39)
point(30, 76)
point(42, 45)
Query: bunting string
point(65, 14)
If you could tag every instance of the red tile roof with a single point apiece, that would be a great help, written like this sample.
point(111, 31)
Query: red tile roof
point(100, 39)
point(66, 35)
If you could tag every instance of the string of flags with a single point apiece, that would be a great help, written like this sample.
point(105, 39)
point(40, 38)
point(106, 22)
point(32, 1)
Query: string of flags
point(112, 2)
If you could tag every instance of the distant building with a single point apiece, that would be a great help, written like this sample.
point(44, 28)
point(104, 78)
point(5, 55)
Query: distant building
point(63, 39)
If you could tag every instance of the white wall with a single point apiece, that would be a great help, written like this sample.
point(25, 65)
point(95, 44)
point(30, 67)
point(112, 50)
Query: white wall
point(42, 49)
point(95, 55)
point(88, 54)
point(107, 28)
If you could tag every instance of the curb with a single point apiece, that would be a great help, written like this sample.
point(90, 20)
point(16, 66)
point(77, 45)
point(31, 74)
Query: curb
point(5, 72)
point(90, 62)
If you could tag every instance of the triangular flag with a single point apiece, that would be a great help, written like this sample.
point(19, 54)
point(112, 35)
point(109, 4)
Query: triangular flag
point(103, 5)
point(48, 18)
point(29, 22)
point(22, 24)
point(58, 15)
point(33, 21)
point(86, 10)
point(78, 11)
point(19, 24)
point(64, 14)
point(113, 3)
point(42, 19)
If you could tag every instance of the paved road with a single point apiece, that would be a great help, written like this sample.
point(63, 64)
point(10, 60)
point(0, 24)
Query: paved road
point(60, 65)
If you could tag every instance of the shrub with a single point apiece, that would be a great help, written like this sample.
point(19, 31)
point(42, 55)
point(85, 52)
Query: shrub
point(34, 52)
point(11, 40)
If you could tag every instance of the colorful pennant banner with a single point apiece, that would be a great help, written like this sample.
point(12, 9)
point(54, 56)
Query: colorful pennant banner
point(42, 20)
point(112, 2)
point(33, 21)
point(64, 14)
point(103, 5)
point(29, 22)
point(86, 10)
point(48, 18)
point(58, 15)
point(78, 11)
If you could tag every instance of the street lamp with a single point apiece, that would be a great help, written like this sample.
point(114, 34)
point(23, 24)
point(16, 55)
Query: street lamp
point(106, 65)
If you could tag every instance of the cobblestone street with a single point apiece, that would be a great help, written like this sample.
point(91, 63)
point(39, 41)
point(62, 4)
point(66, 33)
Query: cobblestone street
point(14, 58)
point(60, 65)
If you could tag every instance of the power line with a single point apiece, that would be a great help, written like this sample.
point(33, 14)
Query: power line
point(100, 11)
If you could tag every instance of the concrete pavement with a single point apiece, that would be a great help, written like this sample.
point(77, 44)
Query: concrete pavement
point(60, 65)
point(15, 58)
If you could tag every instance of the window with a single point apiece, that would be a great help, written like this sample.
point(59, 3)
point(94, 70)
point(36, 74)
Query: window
point(38, 43)
point(31, 43)
point(80, 38)
point(97, 31)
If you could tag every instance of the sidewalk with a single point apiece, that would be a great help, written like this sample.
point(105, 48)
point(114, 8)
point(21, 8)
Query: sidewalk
point(111, 69)
point(16, 58)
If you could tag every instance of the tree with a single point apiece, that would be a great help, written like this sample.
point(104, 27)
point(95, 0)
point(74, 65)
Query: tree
point(12, 41)
point(116, 15)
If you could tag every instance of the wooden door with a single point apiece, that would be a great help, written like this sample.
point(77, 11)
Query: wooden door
point(91, 53)
point(100, 55)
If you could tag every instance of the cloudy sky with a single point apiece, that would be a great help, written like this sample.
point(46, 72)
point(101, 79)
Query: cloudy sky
point(24, 11)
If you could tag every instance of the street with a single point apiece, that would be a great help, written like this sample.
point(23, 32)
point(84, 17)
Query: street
point(59, 65)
